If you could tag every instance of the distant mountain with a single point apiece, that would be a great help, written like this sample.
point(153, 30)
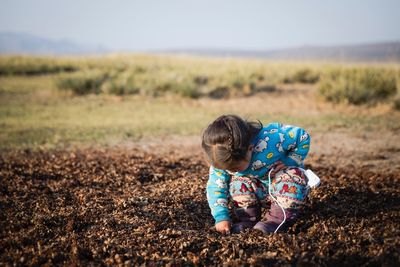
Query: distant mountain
point(377, 52)
point(21, 43)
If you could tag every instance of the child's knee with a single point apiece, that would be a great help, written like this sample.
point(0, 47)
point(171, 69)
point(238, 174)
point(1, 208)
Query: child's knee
point(242, 192)
point(290, 188)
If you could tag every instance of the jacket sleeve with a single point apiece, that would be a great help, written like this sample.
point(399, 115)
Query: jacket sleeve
point(217, 194)
point(296, 144)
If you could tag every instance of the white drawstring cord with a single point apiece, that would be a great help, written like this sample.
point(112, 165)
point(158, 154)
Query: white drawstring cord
point(309, 174)
point(270, 194)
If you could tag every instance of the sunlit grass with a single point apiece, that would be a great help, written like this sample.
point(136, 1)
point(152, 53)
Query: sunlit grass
point(359, 85)
point(34, 112)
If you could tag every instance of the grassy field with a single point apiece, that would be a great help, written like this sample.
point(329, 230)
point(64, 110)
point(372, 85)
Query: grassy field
point(38, 109)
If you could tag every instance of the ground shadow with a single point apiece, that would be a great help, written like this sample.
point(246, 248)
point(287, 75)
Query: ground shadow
point(357, 204)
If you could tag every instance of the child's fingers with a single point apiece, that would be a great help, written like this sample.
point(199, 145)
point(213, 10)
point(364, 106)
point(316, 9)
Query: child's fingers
point(223, 227)
point(227, 230)
point(224, 231)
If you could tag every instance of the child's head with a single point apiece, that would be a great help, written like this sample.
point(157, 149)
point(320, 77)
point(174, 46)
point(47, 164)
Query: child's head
point(227, 142)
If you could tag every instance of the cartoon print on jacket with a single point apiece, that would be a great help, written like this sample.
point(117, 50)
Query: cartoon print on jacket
point(279, 145)
point(258, 164)
point(303, 137)
point(272, 131)
point(221, 202)
point(221, 183)
point(262, 144)
point(296, 158)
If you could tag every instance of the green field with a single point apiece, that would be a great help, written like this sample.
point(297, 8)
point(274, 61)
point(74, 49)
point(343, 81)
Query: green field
point(56, 102)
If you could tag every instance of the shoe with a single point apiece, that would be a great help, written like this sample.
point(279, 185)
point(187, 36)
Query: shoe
point(247, 217)
point(241, 226)
point(274, 218)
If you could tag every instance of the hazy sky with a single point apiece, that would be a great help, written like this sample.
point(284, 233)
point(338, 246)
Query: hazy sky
point(235, 24)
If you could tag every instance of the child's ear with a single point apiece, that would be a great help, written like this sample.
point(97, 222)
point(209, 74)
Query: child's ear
point(251, 147)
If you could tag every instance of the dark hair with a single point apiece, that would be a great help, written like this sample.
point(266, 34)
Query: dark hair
point(226, 140)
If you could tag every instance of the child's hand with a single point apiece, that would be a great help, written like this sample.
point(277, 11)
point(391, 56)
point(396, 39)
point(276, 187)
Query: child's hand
point(278, 166)
point(224, 227)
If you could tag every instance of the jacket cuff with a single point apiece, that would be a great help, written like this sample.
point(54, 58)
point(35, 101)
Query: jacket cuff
point(222, 217)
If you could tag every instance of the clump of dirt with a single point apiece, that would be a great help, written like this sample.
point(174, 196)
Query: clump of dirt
point(108, 206)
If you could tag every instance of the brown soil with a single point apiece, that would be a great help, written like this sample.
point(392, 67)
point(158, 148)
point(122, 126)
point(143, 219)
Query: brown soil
point(132, 206)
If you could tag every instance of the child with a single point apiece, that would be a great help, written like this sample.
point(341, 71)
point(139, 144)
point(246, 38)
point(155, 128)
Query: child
point(242, 155)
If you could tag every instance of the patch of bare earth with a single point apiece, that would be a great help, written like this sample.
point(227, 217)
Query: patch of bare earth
point(140, 206)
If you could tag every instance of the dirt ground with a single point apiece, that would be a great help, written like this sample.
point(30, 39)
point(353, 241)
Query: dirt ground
point(134, 205)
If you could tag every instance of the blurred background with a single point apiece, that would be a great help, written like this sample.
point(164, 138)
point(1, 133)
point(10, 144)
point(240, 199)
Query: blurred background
point(84, 73)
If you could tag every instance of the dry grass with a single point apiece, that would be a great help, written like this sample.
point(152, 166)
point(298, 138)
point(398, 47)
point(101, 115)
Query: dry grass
point(34, 112)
